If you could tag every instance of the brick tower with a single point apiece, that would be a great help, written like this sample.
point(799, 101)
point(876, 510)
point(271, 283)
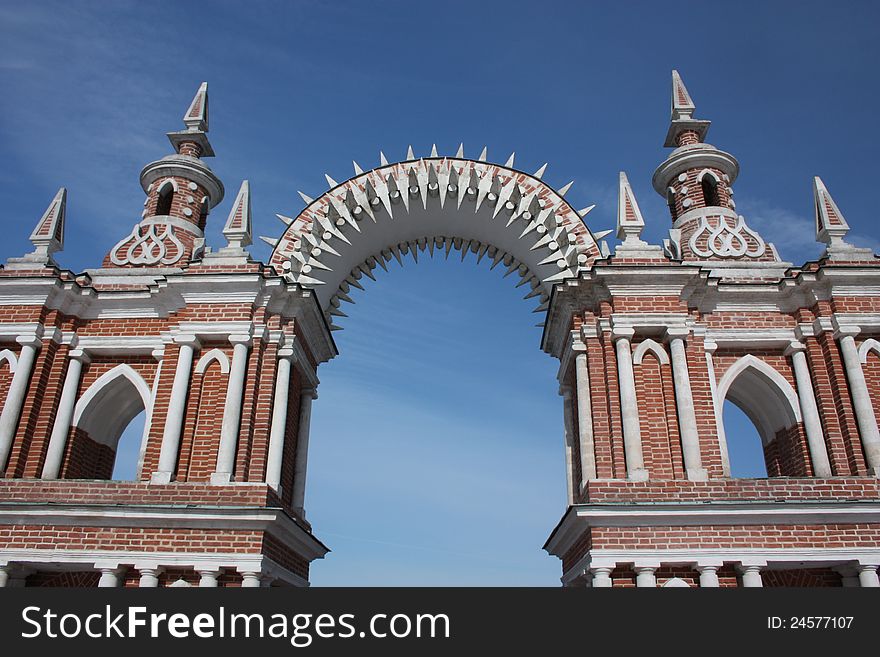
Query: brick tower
point(220, 352)
point(713, 316)
point(210, 345)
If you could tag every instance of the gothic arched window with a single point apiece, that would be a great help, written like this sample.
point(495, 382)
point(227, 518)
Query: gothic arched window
point(710, 191)
point(166, 196)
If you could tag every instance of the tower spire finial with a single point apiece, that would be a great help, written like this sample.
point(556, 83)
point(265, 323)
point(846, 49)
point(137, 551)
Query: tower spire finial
point(684, 129)
point(196, 117)
point(193, 141)
point(682, 105)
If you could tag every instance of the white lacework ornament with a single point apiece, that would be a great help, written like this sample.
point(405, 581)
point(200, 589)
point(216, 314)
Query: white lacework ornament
point(153, 250)
point(727, 241)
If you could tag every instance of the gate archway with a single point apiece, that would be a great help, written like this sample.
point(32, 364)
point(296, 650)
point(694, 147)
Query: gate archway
point(429, 204)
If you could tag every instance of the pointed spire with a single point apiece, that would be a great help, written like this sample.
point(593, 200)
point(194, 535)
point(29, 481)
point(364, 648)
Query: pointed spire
point(509, 163)
point(383, 161)
point(48, 235)
point(460, 152)
point(409, 153)
point(238, 226)
point(630, 223)
point(682, 117)
point(330, 181)
point(193, 141)
point(357, 168)
point(682, 105)
point(830, 224)
point(196, 117)
point(434, 150)
point(831, 227)
point(483, 154)
point(540, 172)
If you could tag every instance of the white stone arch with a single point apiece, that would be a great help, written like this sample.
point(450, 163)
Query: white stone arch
point(165, 183)
point(762, 393)
point(865, 348)
point(708, 172)
point(209, 357)
point(434, 204)
point(110, 403)
point(675, 583)
point(654, 347)
point(9, 357)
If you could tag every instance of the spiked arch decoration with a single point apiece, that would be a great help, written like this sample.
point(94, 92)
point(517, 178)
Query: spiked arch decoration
point(434, 204)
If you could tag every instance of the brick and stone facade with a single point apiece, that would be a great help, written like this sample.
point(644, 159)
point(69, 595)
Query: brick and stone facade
point(221, 352)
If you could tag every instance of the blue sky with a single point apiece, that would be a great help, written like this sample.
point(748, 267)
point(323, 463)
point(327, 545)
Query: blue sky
point(436, 454)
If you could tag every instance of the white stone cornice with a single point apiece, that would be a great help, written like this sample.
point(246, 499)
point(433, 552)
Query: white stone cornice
point(118, 345)
point(770, 338)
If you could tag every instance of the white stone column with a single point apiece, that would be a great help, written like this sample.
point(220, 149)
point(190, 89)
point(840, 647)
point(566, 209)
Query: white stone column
point(302, 449)
point(568, 429)
point(645, 577)
point(16, 394)
point(708, 576)
point(585, 418)
point(601, 577)
point(684, 405)
point(717, 407)
point(279, 419)
point(868, 576)
point(232, 411)
point(109, 577)
point(629, 409)
point(861, 398)
point(208, 578)
point(809, 410)
point(4, 576)
point(61, 428)
point(751, 577)
point(176, 410)
point(149, 578)
point(250, 580)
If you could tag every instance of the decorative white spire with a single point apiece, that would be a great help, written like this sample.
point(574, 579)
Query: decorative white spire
point(682, 115)
point(682, 105)
point(630, 225)
point(831, 227)
point(196, 117)
point(48, 236)
point(238, 231)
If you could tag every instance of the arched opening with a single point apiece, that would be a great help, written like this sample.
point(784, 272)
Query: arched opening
point(670, 201)
point(709, 185)
point(442, 421)
point(744, 445)
point(165, 198)
point(758, 400)
point(128, 450)
point(105, 412)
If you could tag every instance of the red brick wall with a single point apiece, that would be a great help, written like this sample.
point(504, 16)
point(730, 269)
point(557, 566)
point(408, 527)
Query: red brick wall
point(204, 418)
point(661, 444)
point(86, 459)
